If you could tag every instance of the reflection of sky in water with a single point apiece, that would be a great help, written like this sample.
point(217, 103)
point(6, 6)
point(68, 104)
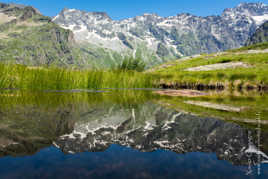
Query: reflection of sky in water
point(121, 162)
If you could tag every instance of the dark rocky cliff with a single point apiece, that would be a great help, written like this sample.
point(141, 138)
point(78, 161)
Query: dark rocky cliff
point(260, 36)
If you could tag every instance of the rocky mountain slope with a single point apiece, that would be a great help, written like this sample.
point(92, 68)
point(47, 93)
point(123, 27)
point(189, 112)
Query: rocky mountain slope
point(157, 39)
point(260, 36)
point(27, 37)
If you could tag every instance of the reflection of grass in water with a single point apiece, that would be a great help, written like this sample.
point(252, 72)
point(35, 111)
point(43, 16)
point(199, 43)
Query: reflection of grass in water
point(132, 98)
point(43, 114)
point(250, 104)
point(9, 99)
point(22, 77)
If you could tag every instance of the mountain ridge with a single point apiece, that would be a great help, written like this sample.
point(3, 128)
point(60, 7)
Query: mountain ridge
point(158, 39)
point(240, 5)
point(29, 38)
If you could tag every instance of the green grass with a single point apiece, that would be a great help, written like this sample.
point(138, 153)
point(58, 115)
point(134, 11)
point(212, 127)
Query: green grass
point(22, 77)
point(260, 46)
point(255, 75)
point(132, 64)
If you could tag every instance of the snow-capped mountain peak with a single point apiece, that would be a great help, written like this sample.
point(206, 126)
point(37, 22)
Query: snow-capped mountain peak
point(158, 38)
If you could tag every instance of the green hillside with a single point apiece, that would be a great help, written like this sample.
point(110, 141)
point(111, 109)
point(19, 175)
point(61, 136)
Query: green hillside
point(27, 37)
point(246, 67)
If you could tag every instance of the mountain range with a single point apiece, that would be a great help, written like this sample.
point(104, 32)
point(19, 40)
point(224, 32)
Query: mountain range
point(93, 39)
point(156, 39)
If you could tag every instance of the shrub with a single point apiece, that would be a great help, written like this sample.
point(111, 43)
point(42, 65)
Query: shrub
point(130, 63)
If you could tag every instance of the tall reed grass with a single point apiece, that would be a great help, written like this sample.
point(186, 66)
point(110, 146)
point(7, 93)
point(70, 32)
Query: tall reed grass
point(40, 78)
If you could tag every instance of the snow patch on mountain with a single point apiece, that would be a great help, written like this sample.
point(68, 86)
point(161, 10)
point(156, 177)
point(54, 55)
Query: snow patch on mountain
point(166, 37)
point(260, 19)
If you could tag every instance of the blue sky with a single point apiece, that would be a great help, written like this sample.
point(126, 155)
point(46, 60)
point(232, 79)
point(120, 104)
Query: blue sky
point(120, 9)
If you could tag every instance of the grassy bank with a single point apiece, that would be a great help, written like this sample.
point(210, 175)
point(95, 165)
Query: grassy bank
point(22, 77)
point(260, 46)
point(254, 74)
point(175, 74)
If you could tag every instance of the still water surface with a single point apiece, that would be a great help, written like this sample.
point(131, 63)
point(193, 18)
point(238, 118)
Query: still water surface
point(126, 134)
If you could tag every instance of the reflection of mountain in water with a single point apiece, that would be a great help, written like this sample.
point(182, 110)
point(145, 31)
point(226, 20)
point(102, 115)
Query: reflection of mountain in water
point(30, 121)
point(151, 127)
point(24, 130)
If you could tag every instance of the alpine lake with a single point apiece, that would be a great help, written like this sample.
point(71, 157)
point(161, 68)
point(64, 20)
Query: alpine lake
point(132, 133)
